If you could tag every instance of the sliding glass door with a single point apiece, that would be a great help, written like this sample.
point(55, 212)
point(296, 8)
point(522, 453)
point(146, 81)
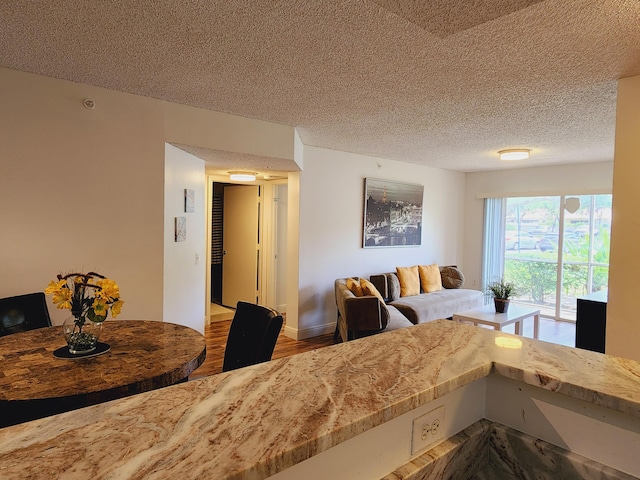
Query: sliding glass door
point(556, 249)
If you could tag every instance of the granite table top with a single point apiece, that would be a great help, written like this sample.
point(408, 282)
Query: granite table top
point(143, 355)
point(256, 421)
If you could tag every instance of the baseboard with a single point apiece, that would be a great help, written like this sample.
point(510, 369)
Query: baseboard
point(301, 334)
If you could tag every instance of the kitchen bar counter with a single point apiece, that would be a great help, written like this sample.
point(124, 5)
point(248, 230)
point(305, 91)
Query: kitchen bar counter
point(257, 421)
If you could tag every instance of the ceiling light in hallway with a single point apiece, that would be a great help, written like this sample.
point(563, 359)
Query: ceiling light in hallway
point(242, 176)
point(514, 154)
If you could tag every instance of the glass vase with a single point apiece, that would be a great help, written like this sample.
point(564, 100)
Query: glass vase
point(81, 334)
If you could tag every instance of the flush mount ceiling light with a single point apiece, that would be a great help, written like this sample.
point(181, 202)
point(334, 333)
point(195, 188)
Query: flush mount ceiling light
point(514, 154)
point(242, 176)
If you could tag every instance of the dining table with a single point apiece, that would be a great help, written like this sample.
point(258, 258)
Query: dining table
point(137, 356)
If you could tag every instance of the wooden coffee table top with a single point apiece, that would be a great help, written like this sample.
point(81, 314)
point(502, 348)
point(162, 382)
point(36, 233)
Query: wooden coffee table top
point(144, 355)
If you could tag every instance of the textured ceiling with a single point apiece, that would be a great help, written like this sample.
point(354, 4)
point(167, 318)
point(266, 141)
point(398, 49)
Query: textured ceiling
point(444, 83)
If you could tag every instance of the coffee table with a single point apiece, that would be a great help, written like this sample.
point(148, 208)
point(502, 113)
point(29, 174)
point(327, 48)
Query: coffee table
point(487, 316)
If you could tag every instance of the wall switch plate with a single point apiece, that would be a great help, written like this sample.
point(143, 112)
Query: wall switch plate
point(428, 429)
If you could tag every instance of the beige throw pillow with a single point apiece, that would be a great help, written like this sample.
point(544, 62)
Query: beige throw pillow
point(430, 279)
point(409, 281)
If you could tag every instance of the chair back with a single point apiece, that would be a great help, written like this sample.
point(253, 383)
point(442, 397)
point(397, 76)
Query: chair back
point(252, 336)
point(23, 312)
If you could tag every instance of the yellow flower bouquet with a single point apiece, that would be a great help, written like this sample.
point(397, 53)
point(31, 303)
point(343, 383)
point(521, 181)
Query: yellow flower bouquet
point(90, 297)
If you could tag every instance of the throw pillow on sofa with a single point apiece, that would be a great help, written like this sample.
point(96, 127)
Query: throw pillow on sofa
point(409, 280)
point(369, 289)
point(430, 279)
point(452, 277)
point(354, 286)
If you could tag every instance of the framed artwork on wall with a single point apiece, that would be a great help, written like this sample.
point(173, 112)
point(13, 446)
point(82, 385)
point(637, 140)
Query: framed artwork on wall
point(189, 200)
point(392, 214)
point(181, 229)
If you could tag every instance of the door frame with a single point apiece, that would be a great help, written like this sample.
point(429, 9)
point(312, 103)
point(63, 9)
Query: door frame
point(267, 291)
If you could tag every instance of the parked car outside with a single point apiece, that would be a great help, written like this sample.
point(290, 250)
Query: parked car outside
point(550, 241)
point(524, 240)
point(547, 244)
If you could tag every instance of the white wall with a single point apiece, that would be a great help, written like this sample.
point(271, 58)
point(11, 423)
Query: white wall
point(588, 178)
point(623, 327)
point(331, 224)
point(184, 262)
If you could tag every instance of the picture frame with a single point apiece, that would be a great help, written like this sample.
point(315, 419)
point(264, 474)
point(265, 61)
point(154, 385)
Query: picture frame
point(180, 229)
point(189, 200)
point(392, 214)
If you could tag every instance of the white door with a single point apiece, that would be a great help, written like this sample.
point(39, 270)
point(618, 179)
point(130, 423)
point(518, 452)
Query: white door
point(241, 245)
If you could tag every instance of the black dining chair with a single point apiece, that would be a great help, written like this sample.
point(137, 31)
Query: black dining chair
point(23, 312)
point(252, 336)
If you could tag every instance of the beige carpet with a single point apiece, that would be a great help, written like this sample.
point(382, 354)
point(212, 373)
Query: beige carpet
point(220, 313)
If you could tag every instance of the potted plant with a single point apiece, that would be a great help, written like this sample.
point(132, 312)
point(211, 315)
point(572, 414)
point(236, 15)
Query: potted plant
point(502, 292)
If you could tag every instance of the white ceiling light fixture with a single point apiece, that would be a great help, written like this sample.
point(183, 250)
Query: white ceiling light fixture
point(514, 154)
point(242, 176)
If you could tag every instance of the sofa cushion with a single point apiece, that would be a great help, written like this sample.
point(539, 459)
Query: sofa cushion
point(393, 284)
point(409, 281)
point(369, 289)
point(441, 304)
point(396, 319)
point(430, 279)
point(452, 277)
point(354, 286)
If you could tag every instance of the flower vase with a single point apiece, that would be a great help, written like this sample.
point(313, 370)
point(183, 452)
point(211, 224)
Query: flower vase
point(81, 334)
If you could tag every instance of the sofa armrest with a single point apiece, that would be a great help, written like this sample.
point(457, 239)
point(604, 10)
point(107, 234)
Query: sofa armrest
point(365, 313)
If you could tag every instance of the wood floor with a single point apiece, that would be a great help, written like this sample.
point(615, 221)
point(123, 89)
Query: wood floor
point(215, 335)
point(562, 333)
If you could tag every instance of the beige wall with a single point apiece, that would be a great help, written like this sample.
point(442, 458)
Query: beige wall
point(220, 131)
point(84, 189)
point(623, 324)
point(80, 189)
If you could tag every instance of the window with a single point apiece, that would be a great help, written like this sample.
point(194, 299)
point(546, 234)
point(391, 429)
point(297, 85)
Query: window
point(552, 254)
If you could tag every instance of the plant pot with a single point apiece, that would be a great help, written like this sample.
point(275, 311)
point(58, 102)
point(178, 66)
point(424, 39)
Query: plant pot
point(501, 305)
point(81, 335)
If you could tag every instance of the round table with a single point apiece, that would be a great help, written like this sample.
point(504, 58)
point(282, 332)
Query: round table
point(144, 355)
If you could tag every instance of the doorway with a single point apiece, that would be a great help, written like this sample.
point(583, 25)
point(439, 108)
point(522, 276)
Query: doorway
point(254, 263)
point(241, 244)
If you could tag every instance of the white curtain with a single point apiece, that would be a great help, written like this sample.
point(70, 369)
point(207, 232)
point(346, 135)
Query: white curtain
point(493, 248)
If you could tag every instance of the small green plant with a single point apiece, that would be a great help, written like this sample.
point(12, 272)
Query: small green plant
point(502, 290)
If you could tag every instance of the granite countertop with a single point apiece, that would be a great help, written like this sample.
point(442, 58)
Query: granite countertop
point(254, 422)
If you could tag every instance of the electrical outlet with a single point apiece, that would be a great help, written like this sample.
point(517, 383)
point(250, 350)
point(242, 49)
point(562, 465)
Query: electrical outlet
point(428, 429)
